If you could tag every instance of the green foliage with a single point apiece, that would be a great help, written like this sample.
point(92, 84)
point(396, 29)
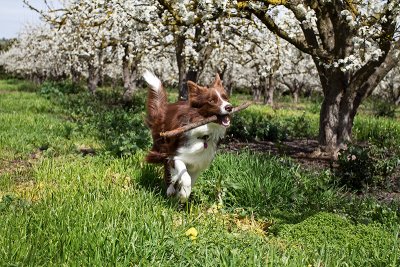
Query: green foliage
point(300, 126)
point(58, 89)
point(378, 131)
point(314, 107)
point(361, 167)
point(28, 123)
point(120, 127)
point(252, 125)
point(123, 131)
point(384, 109)
point(60, 208)
point(255, 126)
point(264, 184)
point(28, 87)
point(327, 234)
point(13, 84)
point(366, 210)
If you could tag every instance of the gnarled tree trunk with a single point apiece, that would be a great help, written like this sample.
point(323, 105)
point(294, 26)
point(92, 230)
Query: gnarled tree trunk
point(129, 75)
point(330, 44)
point(343, 94)
point(269, 91)
point(181, 62)
point(93, 79)
point(256, 93)
point(75, 76)
point(193, 70)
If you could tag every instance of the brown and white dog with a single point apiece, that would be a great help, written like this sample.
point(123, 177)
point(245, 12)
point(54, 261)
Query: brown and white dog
point(186, 155)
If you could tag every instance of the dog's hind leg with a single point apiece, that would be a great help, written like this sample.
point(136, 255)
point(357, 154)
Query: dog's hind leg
point(168, 179)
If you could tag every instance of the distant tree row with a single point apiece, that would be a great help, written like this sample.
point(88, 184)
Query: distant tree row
point(343, 49)
point(115, 40)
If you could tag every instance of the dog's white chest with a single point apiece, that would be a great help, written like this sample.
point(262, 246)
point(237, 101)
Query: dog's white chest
point(201, 146)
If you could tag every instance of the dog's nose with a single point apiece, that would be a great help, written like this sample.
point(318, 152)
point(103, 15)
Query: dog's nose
point(228, 108)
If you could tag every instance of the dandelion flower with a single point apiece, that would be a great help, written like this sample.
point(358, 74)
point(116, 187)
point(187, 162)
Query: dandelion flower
point(192, 233)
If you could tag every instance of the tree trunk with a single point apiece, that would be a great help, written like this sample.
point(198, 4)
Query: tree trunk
point(129, 75)
point(93, 79)
point(295, 90)
point(296, 96)
point(100, 68)
point(333, 85)
point(75, 76)
point(194, 70)
point(256, 93)
point(228, 85)
point(269, 91)
point(338, 109)
point(225, 73)
point(342, 97)
point(229, 89)
point(181, 62)
point(129, 87)
point(191, 75)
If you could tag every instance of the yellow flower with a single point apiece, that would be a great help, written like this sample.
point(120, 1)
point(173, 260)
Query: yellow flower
point(192, 233)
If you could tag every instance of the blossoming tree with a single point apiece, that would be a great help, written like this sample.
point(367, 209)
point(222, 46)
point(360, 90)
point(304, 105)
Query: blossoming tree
point(353, 44)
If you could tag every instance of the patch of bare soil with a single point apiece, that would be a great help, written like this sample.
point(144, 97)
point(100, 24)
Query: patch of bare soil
point(301, 150)
point(19, 166)
point(3, 92)
point(12, 166)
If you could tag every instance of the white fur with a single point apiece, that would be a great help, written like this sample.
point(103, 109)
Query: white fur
point(152, 80)
point(193, 157)
point(223, 105)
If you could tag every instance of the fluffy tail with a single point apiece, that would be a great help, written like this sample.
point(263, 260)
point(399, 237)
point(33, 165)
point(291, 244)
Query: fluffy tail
point(156, 99)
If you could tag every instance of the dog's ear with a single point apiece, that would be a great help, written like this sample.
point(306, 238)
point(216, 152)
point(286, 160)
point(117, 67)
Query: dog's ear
point(195, 90)
point(217, 81)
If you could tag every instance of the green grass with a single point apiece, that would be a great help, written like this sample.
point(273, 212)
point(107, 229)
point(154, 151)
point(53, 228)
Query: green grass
point(290, 120)
point(256, 181)
point(29, 123)
point(17, 85)
point(381, 131)
point(60, 208)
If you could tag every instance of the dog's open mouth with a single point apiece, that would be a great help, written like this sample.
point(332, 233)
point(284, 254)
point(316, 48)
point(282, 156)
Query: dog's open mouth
point(224, 120)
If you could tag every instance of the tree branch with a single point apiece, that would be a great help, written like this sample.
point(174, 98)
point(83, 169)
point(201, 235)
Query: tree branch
point(193, 125)
point(272, 26)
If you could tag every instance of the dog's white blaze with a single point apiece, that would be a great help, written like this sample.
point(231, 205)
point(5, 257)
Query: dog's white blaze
point(152, 80)
point(195, 156)
point(223, 105)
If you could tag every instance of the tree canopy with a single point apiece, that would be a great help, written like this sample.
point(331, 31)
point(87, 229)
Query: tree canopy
point(343, 48)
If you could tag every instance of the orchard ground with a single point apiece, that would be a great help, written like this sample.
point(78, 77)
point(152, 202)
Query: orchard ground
point(75, 190)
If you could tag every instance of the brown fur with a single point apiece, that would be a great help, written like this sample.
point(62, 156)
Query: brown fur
point(162, 116)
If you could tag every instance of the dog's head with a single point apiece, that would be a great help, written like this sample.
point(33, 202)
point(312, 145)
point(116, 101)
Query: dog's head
point(212, 100)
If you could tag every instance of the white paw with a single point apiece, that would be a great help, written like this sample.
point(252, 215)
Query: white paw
point(185, 187)
point(171, 190)
point(184, 193)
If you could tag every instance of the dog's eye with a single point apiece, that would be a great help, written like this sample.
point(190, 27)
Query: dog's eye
point(211, 101)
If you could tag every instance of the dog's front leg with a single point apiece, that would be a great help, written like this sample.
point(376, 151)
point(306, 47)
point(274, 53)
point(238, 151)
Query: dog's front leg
point(182, 177)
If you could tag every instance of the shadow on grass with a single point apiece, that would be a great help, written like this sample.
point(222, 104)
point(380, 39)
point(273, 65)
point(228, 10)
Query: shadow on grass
point(150, 178)
point(283, 217)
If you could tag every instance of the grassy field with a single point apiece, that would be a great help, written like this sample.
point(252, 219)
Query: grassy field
point(61, 206)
